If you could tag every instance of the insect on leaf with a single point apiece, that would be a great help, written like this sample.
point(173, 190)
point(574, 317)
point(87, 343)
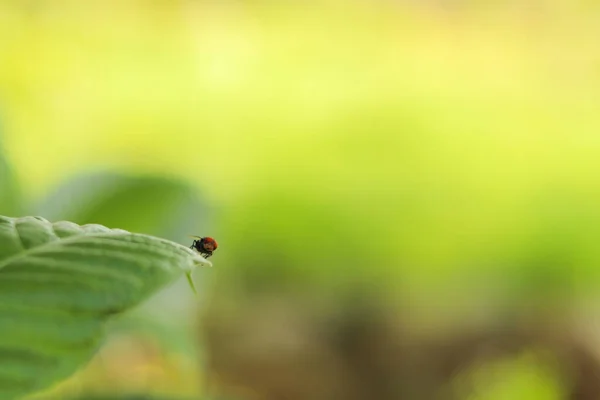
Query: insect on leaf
point(60, 282)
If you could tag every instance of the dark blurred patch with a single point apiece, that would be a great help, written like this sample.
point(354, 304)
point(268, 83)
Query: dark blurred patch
point(130, 397)
point(141, 397)
point(283, 347)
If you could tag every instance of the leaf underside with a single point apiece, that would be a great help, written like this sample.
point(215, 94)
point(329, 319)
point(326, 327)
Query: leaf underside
point(60, 282)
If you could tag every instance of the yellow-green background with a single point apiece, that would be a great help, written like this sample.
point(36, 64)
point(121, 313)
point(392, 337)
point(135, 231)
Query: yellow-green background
point(424, 151)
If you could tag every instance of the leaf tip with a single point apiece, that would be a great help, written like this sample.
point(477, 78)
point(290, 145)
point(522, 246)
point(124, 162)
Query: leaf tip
point(200, 261)
point(188, 275)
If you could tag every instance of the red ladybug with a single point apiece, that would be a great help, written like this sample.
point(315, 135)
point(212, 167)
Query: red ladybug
point(204, 245)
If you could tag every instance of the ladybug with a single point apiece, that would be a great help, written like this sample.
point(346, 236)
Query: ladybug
point(204, 245)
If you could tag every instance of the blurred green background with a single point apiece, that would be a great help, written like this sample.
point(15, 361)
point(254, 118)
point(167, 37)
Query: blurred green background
point(405, 194)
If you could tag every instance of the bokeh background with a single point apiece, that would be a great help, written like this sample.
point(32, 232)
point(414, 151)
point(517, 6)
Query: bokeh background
point(405, 193)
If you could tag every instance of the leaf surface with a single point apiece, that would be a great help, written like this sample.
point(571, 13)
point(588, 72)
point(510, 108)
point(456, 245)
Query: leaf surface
point(60, 282)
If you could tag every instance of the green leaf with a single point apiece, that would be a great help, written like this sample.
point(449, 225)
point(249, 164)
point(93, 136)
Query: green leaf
point(60, 282)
